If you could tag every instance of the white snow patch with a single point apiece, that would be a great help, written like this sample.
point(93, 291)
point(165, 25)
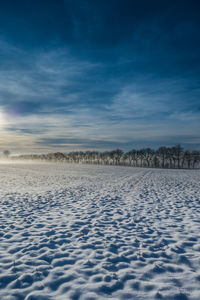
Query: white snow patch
point(98, 232)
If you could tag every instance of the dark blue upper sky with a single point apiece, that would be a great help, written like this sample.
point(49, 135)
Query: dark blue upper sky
point(88, 74)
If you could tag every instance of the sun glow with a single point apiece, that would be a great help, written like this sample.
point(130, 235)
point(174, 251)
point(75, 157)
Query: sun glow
point(2, 119)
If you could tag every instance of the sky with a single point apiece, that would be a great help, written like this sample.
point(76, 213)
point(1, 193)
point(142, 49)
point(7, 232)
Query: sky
point(99, 75)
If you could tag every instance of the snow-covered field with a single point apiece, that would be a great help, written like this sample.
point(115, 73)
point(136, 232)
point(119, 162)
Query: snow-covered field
point(98, 232)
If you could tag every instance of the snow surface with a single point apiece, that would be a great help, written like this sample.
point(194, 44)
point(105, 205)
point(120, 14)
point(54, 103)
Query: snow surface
point(98, 232)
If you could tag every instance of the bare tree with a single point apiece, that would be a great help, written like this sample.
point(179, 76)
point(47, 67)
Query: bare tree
point(6, 153)
point(164, 157)
point(148, 155)
point(162, 152)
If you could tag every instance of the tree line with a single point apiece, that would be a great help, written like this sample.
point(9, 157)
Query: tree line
point(163, 157)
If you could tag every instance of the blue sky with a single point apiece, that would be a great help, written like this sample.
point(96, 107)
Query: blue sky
point(88, 74)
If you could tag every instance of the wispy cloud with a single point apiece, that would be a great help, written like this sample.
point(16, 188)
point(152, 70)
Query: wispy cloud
point(98, 76)
point(59, 96)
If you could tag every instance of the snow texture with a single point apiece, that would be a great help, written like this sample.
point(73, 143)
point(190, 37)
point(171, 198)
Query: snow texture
point(85, 232)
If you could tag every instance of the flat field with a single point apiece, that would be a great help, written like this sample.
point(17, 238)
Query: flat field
point(98, 232)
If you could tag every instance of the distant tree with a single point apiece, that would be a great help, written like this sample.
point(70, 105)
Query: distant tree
point(118, 155)
point(148, 155)
point(169, 157)
point(188, 158)
point(141, 155)
point(179, 152)
point(156, 162)
point(162, 152)
point(164, 157)
point(6, 153)
point(115, 156)
point(131, 155)
point(195, 158)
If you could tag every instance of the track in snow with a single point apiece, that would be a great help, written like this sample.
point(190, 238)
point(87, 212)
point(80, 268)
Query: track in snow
point(98, 232)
